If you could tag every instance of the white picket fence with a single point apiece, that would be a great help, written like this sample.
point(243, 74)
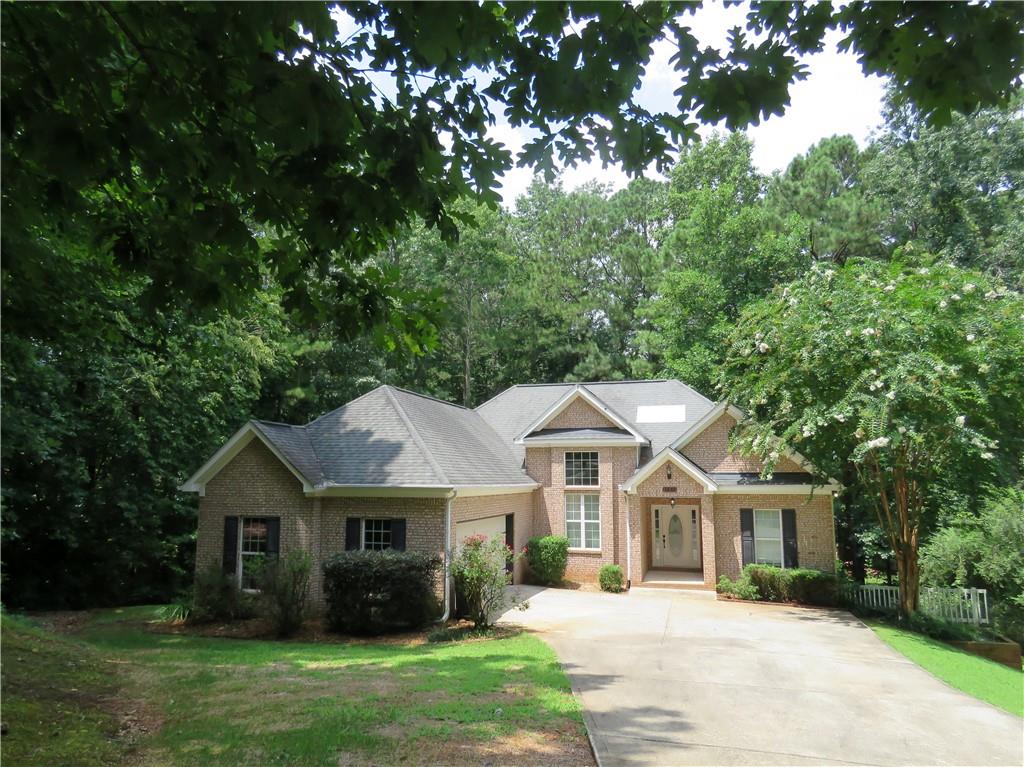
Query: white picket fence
point(955, 605)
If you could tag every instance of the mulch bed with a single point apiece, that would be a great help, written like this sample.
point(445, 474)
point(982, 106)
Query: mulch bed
point(314, 630)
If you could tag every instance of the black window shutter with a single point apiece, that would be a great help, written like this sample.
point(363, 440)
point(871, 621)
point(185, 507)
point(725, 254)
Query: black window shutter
point(747, 535)
point(273, 537)
point(229, 559)
point(398, 534)
point(789, 553)
point(510, 536)
point(353, 531)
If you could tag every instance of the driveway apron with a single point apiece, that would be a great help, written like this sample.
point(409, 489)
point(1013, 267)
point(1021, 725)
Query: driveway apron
point(678, 678)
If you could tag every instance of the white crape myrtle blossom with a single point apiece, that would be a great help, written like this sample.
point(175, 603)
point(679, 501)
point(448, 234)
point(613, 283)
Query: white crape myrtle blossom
point(961, 420)
point(969, 287)
point(902, 429)
point(923, 270)
point(971, 336)
point(891, 395)
point(889, 288)
point(878, 442)
point(763, 347)
point(943, 304)
point(987, 455)
point(841, 417)
point(848, 333)
point(955, 297)
point(984, 367)
point(868, 332)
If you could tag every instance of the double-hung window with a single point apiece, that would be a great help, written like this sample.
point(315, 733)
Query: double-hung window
point(768, 537)
point(581, 469)
point(254, 541)
point(583, 520)
point(376, 534)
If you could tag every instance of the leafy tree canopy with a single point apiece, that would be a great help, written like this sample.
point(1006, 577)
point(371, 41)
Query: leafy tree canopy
point(908, 370)
point(170, 137)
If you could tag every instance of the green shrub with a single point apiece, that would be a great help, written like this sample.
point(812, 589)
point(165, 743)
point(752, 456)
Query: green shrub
point(611, 579)
point(284, 591)
point(776, 584)
point(1008, 619)
point(216, 597)
point(548, 556)
point(481, 572)
point(741, 588)
point(372, 592)
point(936, 628)
point(450, 634)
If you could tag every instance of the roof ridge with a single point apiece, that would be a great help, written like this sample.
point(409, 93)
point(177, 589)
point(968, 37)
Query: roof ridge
point(690, 388)
point(278, 423)
point(428, 396)
point(346, 404)
point(592, 383)
point(414, 433)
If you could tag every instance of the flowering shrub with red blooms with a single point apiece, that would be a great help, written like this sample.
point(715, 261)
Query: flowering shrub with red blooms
point(481, 574)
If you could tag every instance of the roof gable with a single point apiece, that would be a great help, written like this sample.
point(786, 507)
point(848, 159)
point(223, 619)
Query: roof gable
point(581, 394)
point(238, 441)
point(668, 455)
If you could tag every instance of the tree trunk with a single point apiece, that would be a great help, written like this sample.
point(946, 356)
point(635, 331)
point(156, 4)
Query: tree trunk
point(906, 566)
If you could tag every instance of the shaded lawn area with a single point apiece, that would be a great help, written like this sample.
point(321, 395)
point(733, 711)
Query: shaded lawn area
point(243, 702)
point(58, 700)
point(985, 679)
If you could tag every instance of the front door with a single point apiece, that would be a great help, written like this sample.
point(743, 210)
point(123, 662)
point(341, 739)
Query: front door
point(675, 538)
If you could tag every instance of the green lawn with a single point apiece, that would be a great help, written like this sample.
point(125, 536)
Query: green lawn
point(990, 681)
point(243, 702)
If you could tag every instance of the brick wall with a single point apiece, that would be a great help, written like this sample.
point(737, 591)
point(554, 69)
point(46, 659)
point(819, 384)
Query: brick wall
point(547, 466)
point(815, 528)
point(710, 451)
point(424, 525)
point(254, 484)
point(481, 506)
point(580, 414)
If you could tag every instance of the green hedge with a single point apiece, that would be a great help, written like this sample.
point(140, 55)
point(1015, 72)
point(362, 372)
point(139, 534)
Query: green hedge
point(373, 592)
point(548, 556)
point(776, 584)
point(611, 579)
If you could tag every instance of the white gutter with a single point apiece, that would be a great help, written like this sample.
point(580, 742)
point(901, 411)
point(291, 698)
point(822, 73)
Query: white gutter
point(447, 556)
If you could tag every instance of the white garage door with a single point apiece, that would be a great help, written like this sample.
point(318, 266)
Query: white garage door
point(489, 526)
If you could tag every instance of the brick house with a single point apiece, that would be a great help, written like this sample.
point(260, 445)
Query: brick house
point(636, 473)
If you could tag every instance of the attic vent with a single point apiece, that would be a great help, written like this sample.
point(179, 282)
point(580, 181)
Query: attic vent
point(661, 414)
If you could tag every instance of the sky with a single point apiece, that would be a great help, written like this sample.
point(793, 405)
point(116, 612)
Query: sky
point(836, 98)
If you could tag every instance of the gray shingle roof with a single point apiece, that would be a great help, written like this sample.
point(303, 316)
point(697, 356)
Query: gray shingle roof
point(512, 411)
point(725, 478)
point(568, 435)
point(391, 436)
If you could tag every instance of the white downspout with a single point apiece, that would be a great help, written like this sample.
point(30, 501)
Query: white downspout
point(447, 556)
point(629, 545)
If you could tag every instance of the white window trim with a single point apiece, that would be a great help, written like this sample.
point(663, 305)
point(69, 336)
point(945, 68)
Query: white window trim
point(565, 469)
point(782, 538)
point(584, 522)
point(240, 557)
point(362, 532)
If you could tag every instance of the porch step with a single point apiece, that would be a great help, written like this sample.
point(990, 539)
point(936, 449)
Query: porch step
point(676, 585)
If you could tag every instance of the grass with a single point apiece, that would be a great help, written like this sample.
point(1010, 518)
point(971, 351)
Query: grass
point(241, 702)
point(984, 679)
point(56, 695)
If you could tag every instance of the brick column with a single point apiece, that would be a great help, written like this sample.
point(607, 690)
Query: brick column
point(707, 533)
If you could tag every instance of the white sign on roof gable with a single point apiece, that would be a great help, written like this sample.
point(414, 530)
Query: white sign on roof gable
point(660, 413)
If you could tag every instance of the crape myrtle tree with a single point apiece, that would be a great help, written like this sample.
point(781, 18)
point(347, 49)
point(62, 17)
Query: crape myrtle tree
point(907, 370)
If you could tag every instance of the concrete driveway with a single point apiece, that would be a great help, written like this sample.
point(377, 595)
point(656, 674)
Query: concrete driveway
point(673, 678)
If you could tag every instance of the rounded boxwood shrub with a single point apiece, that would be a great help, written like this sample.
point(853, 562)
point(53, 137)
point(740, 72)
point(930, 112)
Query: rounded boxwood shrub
point(611, 579)
point(372, 592)
point(548, 556)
